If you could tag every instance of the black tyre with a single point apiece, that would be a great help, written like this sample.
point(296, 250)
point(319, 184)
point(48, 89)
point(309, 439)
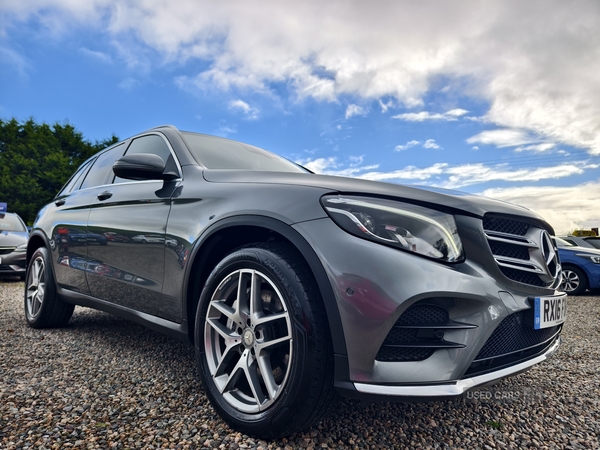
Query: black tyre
point(262, 343)
point(574, 281)
point(43, 308)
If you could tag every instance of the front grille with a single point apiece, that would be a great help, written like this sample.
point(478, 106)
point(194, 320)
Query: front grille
point(522, 277)
point(6, 251)
point(512, 341)
point(514, 333)
point(509, 250)
point(521, 251)
point(504, 225)
point(419, 333)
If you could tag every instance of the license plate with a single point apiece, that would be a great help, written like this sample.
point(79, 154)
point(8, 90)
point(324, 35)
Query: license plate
point(549, 311)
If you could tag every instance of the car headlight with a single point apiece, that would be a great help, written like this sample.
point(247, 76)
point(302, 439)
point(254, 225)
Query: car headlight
point(408, 227)
point(21, 248)
point(593, 258)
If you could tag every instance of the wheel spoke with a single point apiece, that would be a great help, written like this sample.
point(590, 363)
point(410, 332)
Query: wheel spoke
point(228, 381)
point(230, 336)
point(255, 300)
point(241, 305)
point(263, 319)
point(264, 363)
point(260, 346)
point(231, 340)
point(37, 304)
point(245, 367)
point(36, 273)
point(230, 353)
point(254, 382)
point(227, 311)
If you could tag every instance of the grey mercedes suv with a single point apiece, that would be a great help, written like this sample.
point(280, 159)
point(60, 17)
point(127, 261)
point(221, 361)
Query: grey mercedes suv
point(293, 287)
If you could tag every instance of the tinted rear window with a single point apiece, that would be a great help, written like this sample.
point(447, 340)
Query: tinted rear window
point(595, 242)
point(217, 153)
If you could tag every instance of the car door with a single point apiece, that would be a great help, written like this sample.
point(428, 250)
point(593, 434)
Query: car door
point(128, 270)
point(68, 233)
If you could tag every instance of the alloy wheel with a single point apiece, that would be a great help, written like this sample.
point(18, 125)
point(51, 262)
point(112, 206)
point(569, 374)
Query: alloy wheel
point(36, 287)
point(248, 340)
point(571, 280)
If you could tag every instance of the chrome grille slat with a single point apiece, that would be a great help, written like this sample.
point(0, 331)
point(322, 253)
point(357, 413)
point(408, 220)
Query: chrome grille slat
point(521, 250)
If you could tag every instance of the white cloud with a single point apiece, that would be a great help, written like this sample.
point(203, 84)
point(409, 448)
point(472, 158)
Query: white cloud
point(534, 63)
point(409, 173)
point(470, 174)
point(249, 112)
point(332, 166)
point(449, 176)
point(98, 56)
point(565, 208)
point(502, 138)
point(536, 148)
point(385, 106)
point(409, 144)
point(13, 60)
point(225, 130)
point(430, 143)
point(422, 116)
point(355, 110)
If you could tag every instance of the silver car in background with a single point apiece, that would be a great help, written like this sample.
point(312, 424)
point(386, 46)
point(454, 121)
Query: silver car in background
point(13, 245)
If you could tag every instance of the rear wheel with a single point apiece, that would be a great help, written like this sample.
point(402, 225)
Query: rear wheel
point(574, 281)
point(43, 308)
point(262, 343)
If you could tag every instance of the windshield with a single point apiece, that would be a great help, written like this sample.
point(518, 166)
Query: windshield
point(218, 153)
point(10, 222)
point(562, 243)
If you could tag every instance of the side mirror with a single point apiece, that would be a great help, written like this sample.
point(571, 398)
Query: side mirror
point(142, 166)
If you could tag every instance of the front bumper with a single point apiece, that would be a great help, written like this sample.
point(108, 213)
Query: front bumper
point(375, 285)
point(458, 387)
point(13, 263)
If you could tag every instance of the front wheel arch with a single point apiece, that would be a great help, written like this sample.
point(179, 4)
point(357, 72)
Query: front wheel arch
point(226, 235)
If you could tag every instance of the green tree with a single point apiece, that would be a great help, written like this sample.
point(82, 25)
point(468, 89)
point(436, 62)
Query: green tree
point(36, 160)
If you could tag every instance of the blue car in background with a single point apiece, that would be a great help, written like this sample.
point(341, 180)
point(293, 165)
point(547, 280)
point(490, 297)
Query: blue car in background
point(581, 267)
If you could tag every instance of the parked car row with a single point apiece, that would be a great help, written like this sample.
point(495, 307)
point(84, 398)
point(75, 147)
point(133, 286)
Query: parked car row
point(583, 241)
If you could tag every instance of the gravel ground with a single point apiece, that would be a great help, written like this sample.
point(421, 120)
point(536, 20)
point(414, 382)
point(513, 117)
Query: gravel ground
point(103, 382)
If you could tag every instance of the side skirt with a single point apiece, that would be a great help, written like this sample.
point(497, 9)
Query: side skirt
point(176, 330)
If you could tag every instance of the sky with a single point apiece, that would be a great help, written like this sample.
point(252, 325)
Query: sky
point(498, 98)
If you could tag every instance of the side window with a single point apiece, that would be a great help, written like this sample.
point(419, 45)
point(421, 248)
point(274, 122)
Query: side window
point(101, 172)
point(75, 180)
point(153, 144)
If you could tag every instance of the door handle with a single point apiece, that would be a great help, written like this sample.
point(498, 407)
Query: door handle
point(104, 195)
point(60, 202)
